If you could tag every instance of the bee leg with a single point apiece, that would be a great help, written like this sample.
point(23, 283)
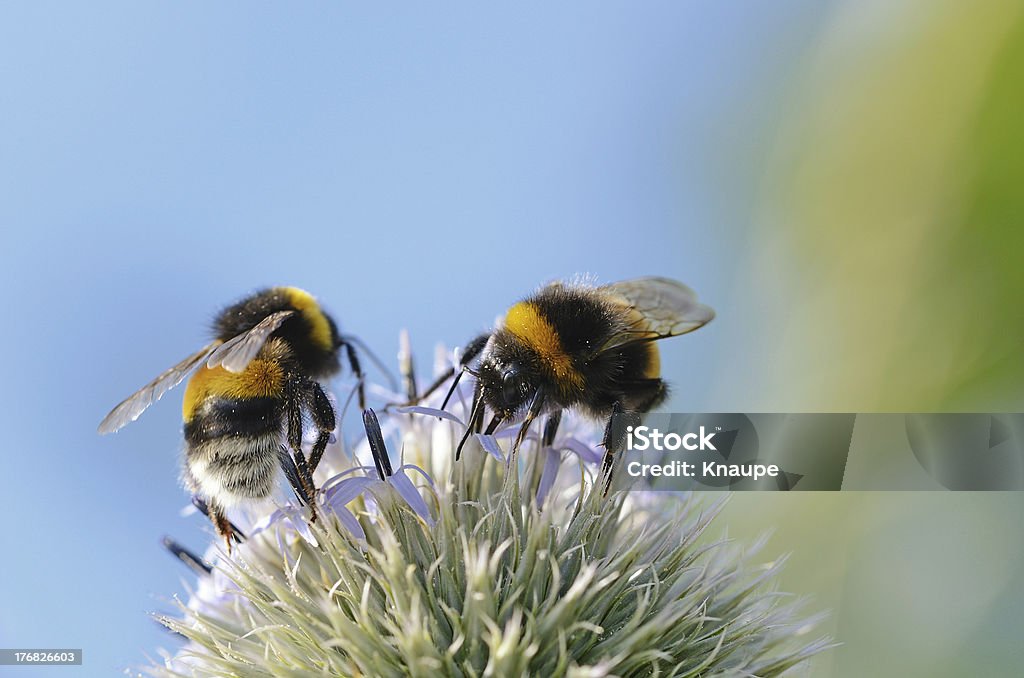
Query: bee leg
point(306, 479)
point(294, 409)
point(536, 405)
point(221, 523)
point(434, 385)
point(204, 508)
point(292, 474)
point(455, 384)
point(493, 424)
point(462, 442)
point(551, 428)
point(610, 448)
point(473, 349)
point(643, 395)
point(361, 345)
point(476, 418)
point(353, 362)
point(323, 416)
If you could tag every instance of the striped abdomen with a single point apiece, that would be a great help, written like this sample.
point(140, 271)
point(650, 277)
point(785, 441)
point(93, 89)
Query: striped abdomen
point(234, 431)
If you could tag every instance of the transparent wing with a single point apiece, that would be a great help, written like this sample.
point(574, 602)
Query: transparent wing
point(235, 354)
point(661, 308)
point(137, 403)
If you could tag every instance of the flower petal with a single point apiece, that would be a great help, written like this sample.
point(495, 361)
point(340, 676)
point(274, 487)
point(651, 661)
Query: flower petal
point(582, 450)
point(286, 516)
point(430, 411)
point(348, 520)
point(411, 495)
point(552, 461)
point(508, 429)
point(299, 524)
point(490, 446)
point(266, 522)
point(416, 468)
point(341, 493)
point(335, 479)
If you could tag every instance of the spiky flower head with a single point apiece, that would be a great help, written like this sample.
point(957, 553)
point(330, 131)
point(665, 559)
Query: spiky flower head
point(488, 566)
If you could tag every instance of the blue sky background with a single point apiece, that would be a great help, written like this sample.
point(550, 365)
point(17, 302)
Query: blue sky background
point(416, 168)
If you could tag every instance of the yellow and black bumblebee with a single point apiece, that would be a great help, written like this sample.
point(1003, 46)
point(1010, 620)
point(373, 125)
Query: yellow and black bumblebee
point(243, 407)
point(575, 345)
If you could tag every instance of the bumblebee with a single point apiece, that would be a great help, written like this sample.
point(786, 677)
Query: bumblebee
point(575, 345)
point(244, 403)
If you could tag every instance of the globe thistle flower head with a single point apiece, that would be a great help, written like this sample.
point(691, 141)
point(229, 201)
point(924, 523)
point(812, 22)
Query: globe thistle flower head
point(487, 566)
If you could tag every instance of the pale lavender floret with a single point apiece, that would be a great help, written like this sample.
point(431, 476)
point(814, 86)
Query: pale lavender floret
point(581, 449)
point(284, 517)
point(491, 446)
point(339, 491)
point(410, 494)
point(566, 440)
point(430, 411)
point(552, 460)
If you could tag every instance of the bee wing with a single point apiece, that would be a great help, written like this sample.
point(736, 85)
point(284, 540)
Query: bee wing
point(137, 403)
point(663, 308)
point(235, 354)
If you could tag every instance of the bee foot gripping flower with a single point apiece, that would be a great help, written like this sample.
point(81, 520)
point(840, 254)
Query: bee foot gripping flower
point(482, 567)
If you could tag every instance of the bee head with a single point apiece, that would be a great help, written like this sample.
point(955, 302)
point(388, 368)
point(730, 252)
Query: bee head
point(507, 385)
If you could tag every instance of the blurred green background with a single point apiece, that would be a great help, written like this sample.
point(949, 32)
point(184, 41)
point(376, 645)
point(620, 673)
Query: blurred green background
point(886, 271)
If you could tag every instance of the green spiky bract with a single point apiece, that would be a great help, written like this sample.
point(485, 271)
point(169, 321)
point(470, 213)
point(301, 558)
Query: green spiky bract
point(587, 585)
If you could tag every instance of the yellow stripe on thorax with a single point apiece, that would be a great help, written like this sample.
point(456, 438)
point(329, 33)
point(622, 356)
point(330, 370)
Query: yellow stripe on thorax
point(527, 324)
point(310, 310)
point(261, 379)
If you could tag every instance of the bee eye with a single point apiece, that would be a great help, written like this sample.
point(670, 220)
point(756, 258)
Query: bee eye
point(511, 386)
